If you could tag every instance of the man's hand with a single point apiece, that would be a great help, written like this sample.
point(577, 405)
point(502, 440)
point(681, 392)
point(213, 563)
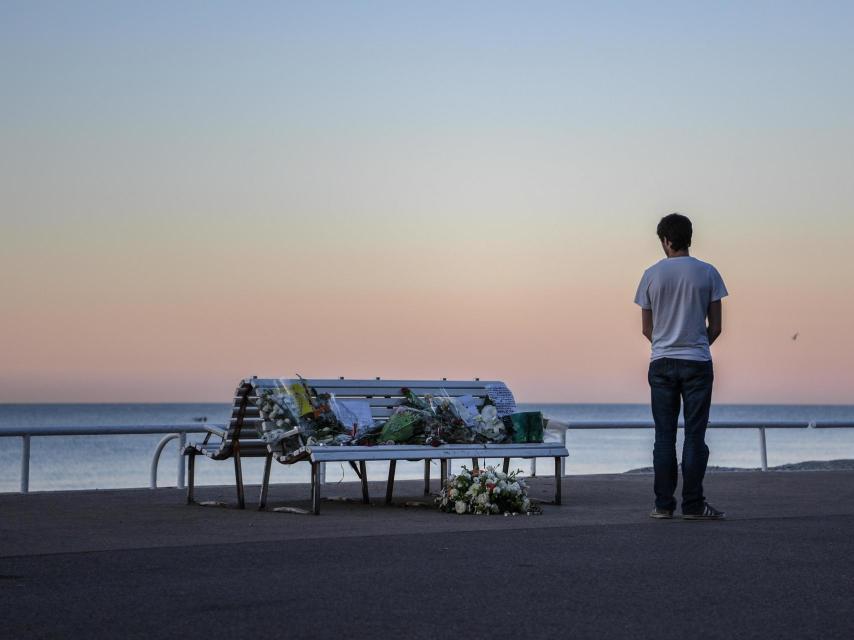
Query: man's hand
point(715, 315)
point(646, 323)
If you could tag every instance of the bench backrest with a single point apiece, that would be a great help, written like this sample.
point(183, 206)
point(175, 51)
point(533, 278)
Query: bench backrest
point(383, 396)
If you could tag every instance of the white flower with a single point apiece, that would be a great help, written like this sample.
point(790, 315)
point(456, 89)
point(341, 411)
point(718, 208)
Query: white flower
point(460, 506)
point(453, 493)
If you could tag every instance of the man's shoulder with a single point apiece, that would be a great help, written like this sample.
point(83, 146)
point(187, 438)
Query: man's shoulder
point(707, 266)
point(653, 267)
point(689, 263)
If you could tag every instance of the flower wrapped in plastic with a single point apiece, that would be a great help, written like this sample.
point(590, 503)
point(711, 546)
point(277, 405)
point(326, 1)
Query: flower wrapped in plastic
point(447, 420)
point(489, 428)
point(488, 492)
point(321, 426)
point(279, 422)
point(293, 417)
point(405, 426)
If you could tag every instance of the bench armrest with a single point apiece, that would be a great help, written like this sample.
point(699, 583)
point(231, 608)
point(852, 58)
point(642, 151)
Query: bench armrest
point(555, 428)
point(217, 430)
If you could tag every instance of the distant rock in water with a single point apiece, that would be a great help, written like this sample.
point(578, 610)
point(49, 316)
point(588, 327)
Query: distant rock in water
point(809, 465)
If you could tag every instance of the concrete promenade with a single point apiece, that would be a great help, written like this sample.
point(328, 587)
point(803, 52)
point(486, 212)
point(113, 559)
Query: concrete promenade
point(142, 564)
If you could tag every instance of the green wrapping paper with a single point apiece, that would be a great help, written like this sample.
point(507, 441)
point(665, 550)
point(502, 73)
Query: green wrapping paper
point(400, 427)
point(525, 426)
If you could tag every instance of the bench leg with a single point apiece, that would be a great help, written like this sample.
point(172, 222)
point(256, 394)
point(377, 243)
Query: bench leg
point(557, 480)
point(506, 465)
point(389, 491)
point(443, 473)
point(191, 477)
point(363, 473)
point(315, 488)
point(238, 478)
point(426, 477)
point(265, 482)
point(475, 464)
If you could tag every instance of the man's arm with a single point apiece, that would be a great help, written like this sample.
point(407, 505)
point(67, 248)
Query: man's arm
point(715, 315)
point(646, 323)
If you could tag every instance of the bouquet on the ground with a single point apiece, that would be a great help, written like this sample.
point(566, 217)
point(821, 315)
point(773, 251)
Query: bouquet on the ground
point(486, 491)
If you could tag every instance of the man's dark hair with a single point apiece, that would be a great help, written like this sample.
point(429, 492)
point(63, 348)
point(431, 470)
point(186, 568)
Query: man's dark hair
point(676, 228)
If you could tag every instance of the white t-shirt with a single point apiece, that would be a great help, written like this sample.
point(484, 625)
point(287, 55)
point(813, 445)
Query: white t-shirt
point(679, 291)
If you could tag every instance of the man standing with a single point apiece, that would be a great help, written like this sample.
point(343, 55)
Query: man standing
point(680, 300)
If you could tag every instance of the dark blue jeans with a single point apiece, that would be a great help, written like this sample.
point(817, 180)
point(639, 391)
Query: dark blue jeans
point(674, 382)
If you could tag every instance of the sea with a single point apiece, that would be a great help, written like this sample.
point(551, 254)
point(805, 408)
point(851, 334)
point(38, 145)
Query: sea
point(109, 462)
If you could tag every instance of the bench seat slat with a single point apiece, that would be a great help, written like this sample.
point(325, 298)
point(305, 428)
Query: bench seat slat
point(420, 452)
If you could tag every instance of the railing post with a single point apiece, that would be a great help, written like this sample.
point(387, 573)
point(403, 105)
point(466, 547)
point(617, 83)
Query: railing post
point(25, 464)
point(533, 467)
point(182, 463)
point(763, 449)
point(152, 483)
point(563, 460)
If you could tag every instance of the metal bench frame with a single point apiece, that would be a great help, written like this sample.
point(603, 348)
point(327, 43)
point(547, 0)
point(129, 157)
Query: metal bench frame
point(240, 439)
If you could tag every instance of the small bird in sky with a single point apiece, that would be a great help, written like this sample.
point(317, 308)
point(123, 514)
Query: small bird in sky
point(795, 337)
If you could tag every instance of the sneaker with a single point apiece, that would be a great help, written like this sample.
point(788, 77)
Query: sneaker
point(708, 513)
point(661, 514)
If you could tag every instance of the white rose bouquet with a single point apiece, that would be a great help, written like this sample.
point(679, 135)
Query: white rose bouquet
point(486, 491)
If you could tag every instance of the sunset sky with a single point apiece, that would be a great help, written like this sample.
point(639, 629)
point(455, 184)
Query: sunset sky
point(195, 192)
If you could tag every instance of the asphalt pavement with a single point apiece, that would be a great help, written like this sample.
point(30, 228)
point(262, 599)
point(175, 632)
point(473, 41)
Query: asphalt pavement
point(142, 564)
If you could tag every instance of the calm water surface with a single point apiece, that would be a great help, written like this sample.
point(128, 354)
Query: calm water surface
point(123, 461)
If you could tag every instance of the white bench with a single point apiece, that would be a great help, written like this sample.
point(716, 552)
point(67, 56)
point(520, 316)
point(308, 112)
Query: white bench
point(241, 436)
point(239, 439)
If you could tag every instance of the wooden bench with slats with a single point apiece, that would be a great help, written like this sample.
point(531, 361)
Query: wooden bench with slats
point(240, 438)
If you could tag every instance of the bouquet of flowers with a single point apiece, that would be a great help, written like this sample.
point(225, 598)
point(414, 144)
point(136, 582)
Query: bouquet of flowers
point(489, 428)
point(322, 426)
point(279, 420)
point(486, 492)
point(411, 422)
point(405, 426)
point(451, 422)
point(291, 416)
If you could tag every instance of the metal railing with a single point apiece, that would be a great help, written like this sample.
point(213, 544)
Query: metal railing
point(174, 431)
point(179, 432)
point(761, 427)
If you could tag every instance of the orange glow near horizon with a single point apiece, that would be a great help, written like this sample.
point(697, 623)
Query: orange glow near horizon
point(554, 320)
